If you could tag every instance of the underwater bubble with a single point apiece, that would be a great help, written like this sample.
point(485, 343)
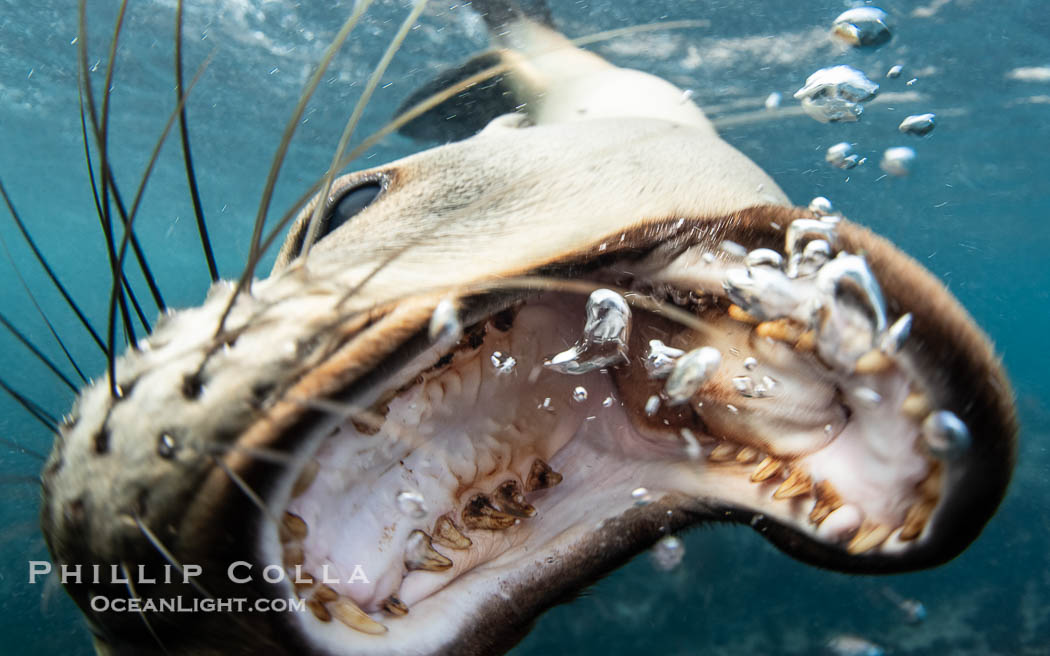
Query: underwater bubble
point(503, 362)
point(547, 405)
point(579, 394)
point(918, 124)
point(894, 72)
point(733, 248)
point(773, 100)
point(660, 359)
point(841, 157)
point(851, 645)
point(411, 504)
point(769, 383)
point(652, 405)
point(815, 255)
point(862, 27)
point(608, 401)
point(667, 553)
point(820, 204)
point(744, 386)
point(913, 609)
point(897, 160)
point(867, 396)
point(834, 94)
point(764, 257)
point(641, 496)
point(605, 336)
point(690, 372)
point(750, 364)
point(444, 323)
point(945, 434)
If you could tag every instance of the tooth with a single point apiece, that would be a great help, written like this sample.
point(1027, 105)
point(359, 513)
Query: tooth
point(293, 527)
point(349, 614)
point(916, 406)
point(319, 610)
point(447, 535)
point(797, 484)
point(873, 362)
point(420, 554)
point(841, 524)
point(766, 470)
point(394, 606)
point(306, 478)
point(930, 487)
point(782, 330)
point(740, 314)
point(510, 500)
point(807, 341)
point(480, 513)
point(724, 452)
point(828, 501)
point(293, 555)
point(916, 519)
point(869, 536)
point(747, 455)
point(325, 594)
point(541, 477)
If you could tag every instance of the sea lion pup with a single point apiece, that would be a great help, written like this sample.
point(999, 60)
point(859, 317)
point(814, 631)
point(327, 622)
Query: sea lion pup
point(487, 374)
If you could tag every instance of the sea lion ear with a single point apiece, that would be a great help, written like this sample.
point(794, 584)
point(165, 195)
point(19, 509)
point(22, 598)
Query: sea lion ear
point(468, 111)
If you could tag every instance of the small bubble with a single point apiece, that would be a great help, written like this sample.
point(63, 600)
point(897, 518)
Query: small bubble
point(897, 161)
point(862, 27)
point(766, 257)
point(733, 248)
point(769, 383)
point(867, 396)
point(667, 553)
point(912, 82)
point(547, 405)
point(744, 386)
point(918, 124)
point(834, 94)
point(773, 100)
point(652, 405)
point(750, 364)
point(605, 336)
point(945, 434)
point(659, 361)
point(579, 394)
point(641, 496)
point(840, 156)
point(690, 372)
point(732, 408)
point(894, 72)
point(444, 323)
point(608, 402)
point(411, 504)
point(820, 205)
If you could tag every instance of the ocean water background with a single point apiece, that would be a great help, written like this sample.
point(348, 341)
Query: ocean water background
point(974, 211)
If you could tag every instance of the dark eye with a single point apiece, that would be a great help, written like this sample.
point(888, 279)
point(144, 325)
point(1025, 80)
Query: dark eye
point(352, 202)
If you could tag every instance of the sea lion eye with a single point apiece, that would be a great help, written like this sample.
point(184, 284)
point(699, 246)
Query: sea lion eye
point(349, 205)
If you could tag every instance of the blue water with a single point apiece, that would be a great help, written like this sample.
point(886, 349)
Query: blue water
point(974, 211)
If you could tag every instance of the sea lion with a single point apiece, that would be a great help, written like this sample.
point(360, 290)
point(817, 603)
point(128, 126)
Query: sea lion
point(485, 375)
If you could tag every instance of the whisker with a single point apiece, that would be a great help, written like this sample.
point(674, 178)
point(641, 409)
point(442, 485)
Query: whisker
point(355, 117)
point(187, 156)
point(286, 138)
point(168, 556)
point(266, 455)
point(36, 352)
point(138, 608)
point(130, 225)
point(32, 408)
point(248, 491)
point(50, 272)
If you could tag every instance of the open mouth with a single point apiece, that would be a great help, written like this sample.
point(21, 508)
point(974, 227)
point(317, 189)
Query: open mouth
point(561, 431)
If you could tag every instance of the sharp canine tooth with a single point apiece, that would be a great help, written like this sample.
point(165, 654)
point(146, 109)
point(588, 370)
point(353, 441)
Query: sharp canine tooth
point(510, 499)
point(541, 477)
point(420, 554)
point(828, 501)
point(480, 513)
point(292, 528)
point(873, 362)
point(740, 314)
point(766, 470)
point(807, 341)
point(306, 478)
point(447, 535)
point(782, 330)
point(724, 452)
point(747, 455)
point(325, 593)
point(349, 614)
point(797, 484)
point(293, 555)
point(916, 406)
point(395, 606)
point(930, 487)
point(916, 519)
point(869, 536)
point(319, 610)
